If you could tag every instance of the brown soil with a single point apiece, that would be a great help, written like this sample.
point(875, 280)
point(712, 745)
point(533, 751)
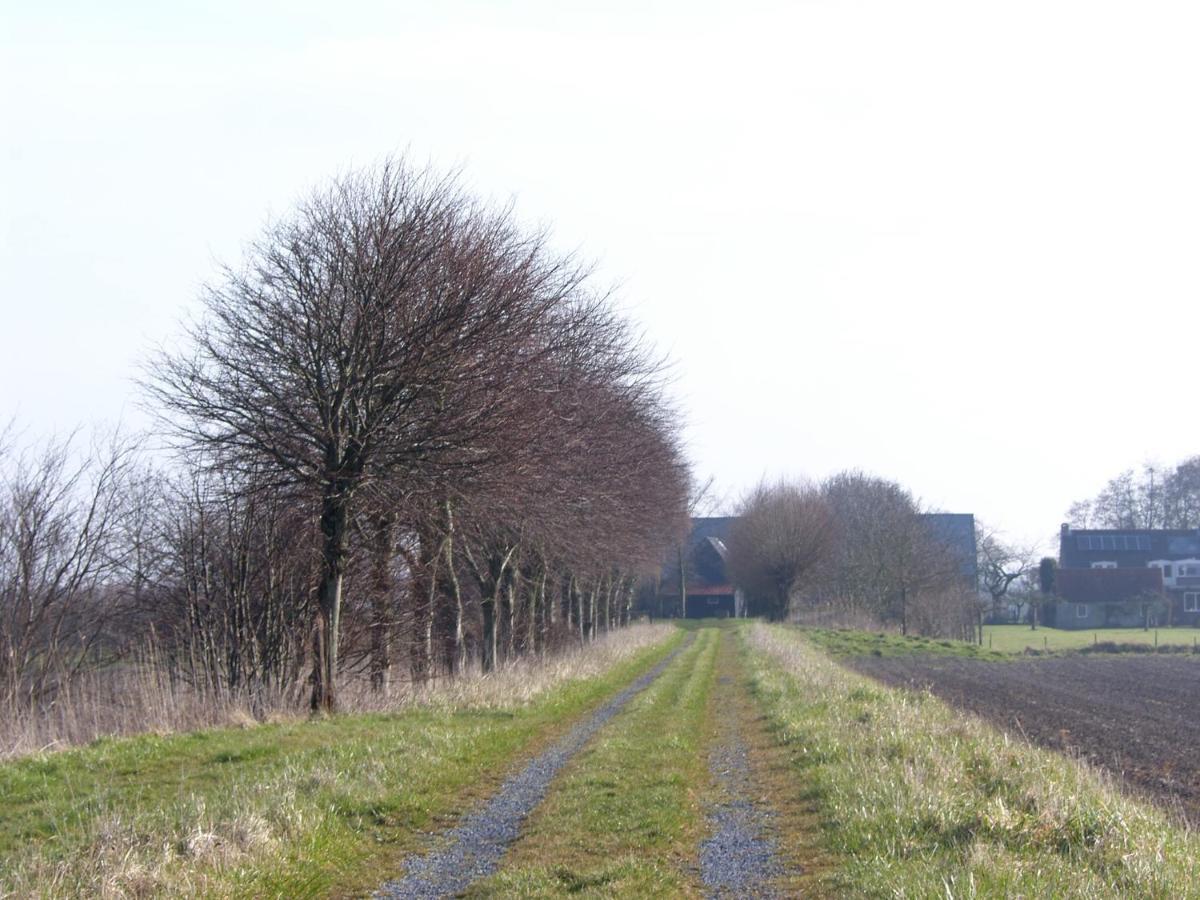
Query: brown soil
point(1136, 717)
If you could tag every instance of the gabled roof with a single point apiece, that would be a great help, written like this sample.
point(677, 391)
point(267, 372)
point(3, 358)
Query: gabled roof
point(704, 527)
point(706, 553)
point(1108, 585)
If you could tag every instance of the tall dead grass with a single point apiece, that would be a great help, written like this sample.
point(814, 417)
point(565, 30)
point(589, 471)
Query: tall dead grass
point(142, 695)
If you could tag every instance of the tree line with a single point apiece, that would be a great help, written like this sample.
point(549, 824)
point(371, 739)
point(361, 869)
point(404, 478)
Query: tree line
point(406, 432)
point(1154, 497)
point(854, 548)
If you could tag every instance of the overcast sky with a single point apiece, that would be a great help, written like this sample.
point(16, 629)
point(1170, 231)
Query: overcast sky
point(952, 243)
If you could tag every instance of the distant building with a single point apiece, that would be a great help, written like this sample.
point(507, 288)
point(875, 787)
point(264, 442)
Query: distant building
point(1097, 584)
point(708, 590)
point(956, 532)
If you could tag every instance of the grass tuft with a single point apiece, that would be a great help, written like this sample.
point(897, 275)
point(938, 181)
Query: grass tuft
point(919, 800)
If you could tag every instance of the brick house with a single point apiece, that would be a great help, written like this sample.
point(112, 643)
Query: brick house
point(1097, 584)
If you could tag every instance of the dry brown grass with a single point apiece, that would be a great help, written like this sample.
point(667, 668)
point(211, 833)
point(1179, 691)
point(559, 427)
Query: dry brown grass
point(140, 696)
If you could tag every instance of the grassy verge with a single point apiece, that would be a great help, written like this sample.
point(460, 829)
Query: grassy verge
point(917, 800)
point(848, 642)
point(1018, 638)
point(301, 809)
point(623, 818)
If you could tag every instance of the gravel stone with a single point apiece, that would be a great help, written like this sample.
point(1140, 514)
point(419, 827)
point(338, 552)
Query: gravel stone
point(472, 850)
point(739, 859)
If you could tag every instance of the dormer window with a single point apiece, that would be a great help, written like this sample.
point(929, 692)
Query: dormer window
point(1167, 568)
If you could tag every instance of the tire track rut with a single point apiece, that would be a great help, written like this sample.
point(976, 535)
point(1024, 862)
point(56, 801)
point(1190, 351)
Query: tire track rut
point(473, 849)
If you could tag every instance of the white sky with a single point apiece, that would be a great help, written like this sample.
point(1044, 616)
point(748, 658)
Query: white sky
point(953, 243)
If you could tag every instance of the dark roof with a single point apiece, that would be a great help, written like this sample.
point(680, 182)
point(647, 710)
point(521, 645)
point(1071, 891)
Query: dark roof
point(957, 532)
point(704, 527)
point(706, 554)
point(1080, 547)
point(1107, 585)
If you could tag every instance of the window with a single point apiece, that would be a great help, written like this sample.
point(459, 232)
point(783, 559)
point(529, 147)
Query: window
point(1081, 611)
point(1104, 564)
point(1166, 570)
point(1189, 571)
point(1191, 602)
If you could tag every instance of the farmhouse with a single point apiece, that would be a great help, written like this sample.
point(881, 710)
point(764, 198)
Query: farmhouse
point(1128, 577)
point(708, 590)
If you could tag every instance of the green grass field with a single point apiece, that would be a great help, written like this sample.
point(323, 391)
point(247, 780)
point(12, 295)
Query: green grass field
point(307, 809)
point(1016, 638)
point(875, 792)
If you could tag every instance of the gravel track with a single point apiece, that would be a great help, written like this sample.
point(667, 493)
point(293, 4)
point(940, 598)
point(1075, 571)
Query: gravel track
point(739, 859)
point(472, 850)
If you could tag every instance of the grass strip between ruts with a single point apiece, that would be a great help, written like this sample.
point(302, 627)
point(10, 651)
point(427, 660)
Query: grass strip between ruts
point(624, 818)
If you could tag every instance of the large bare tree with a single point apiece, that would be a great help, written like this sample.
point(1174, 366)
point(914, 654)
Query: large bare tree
point(366, 338)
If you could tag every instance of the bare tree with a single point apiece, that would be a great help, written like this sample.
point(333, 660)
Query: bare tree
point(1001, 564)
point(60, 512)
point(363, 340)
point(782, 533)
point(1155, 497)
point(886, 564)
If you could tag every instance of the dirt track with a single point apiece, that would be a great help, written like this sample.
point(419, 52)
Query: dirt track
point(1138, 717)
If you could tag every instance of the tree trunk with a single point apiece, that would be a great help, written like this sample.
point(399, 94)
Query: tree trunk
point(489, 633)
point(580, 617)
point(682, 585)
point(381, 591)
point(512, 595)
point(537, 603)
point(329, 600)
point(591, 611)
point(420, 639)
point(457, 650)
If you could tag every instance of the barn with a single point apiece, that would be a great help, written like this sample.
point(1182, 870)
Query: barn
point(708, 592)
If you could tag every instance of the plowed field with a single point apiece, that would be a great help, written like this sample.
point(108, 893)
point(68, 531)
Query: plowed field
point(1136, 716)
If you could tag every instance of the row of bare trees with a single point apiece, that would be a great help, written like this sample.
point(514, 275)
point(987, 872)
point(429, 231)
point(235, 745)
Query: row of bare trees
point(408, 433)
point(1155, 497)
point(854, 548)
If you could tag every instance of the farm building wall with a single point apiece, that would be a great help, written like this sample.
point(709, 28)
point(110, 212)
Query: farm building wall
point(722, 606)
